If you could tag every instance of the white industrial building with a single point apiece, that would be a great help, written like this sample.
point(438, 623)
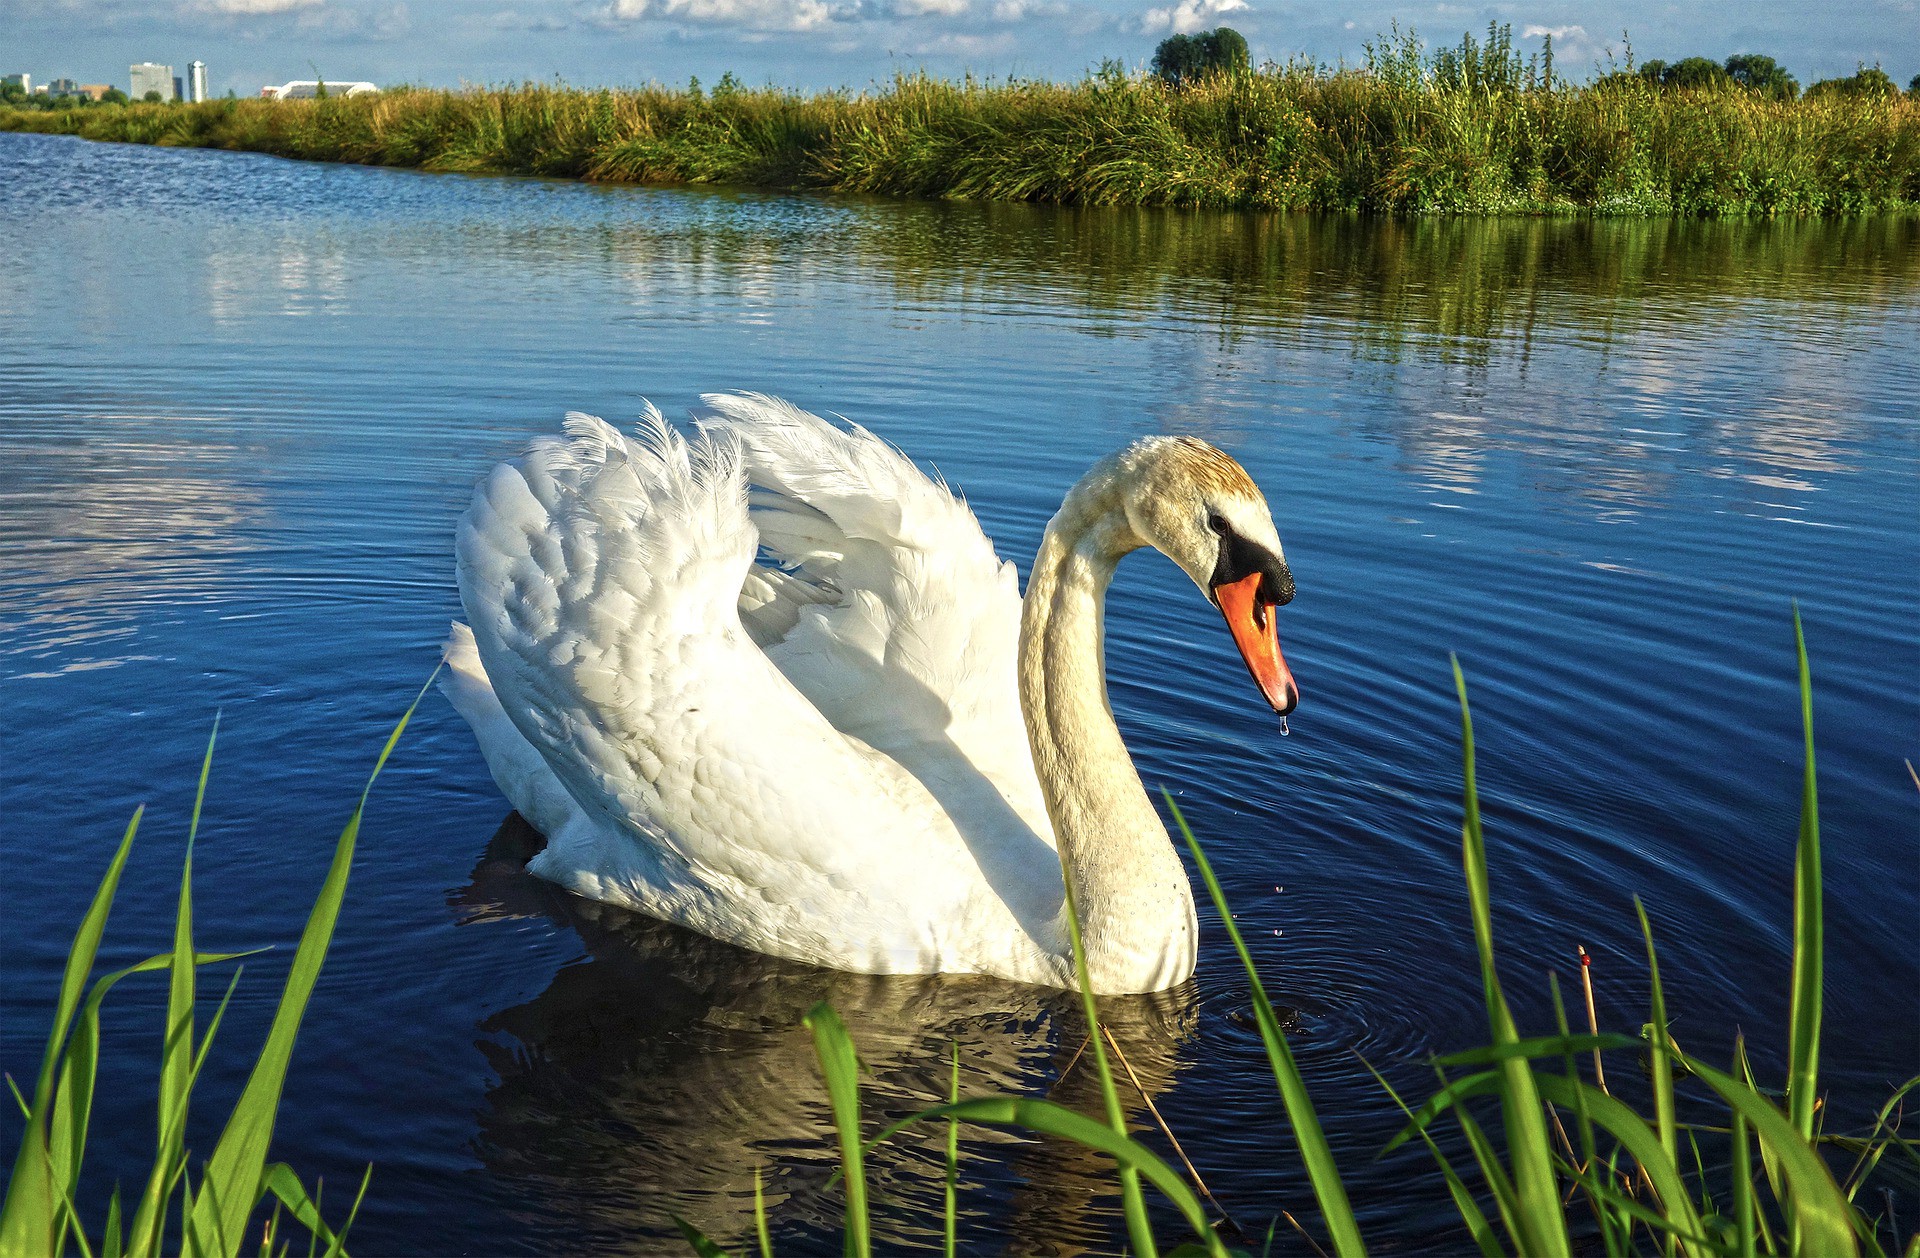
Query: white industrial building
point(147, 77)
point(196, 81)
point(307, 89)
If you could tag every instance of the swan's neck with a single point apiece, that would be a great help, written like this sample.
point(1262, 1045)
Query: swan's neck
point(1136, 906)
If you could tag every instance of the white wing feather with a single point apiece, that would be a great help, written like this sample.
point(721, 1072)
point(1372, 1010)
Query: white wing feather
point(908, 635)
point(757, 795)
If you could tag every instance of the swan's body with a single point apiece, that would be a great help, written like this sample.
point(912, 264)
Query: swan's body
point(859, 750)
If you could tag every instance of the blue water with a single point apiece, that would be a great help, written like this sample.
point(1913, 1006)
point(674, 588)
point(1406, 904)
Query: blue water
point(243, 401)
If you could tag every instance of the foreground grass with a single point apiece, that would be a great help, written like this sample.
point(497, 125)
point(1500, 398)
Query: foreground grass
point(1573, 1167)
point(1396, 137)
point(218, 1202)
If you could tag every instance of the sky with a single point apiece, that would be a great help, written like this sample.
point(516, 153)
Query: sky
point(818, 44)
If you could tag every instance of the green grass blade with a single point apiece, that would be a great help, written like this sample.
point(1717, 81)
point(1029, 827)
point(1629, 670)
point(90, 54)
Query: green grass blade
point(1661, 1064)
point(1583, 1123)
point(111, 1245)
point(1536, 1046)
point(1644, 1145)
point(339, 1247)
point(950, 1219)
point(1875, 1146)
point(1803, 1055)
point(27, 1217)
point(1544, 1224)
point(1821, 1216)
point(176, 1053)
point(1499, 1184)
point(1053, 1119)
point(841, 1067)
point(760, 1217)
point(151, 1217)
point(1470, 1212)
point(70, 1223)
point(72, 1110)
point(231, 1184)
point(1769, 1162)
point(697, 1239)
point(1452, 1093)
point(1342, 1228)
point(1656, 1222)
point(279, 1181)
point(1742, 1203)
point(73, 1099)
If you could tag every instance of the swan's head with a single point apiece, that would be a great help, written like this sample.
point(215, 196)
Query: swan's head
point(1199, 508)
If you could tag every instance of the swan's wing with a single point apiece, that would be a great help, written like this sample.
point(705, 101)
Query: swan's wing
point(882, 599)
point(601, 576)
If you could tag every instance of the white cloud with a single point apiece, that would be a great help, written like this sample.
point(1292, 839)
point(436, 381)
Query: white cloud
point(252, 8)
point(514, 20)
point(776, 15)
point(1558, 32)
point(924, 8)
point(1190, 15)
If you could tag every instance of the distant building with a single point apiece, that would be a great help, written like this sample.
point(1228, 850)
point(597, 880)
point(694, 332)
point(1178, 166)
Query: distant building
point(69, 89)
point(22, 81)
point(307, 89)
point(196, 81)
point(178, 92)
point(148, 76)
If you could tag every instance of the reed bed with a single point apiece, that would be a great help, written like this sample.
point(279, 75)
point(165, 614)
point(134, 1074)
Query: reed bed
point(1403, 135)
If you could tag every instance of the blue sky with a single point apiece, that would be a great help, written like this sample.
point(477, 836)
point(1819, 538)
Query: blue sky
point(829, 43)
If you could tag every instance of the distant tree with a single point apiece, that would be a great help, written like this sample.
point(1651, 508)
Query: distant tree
point(11, 93)
point(1653, 71)
point(113, 96)
point(1693, 72)
point(1868, 81)
point(1184, 59)
point(1913, 88)
point(1227, 50)
point(1760, 73)
point(152, 97)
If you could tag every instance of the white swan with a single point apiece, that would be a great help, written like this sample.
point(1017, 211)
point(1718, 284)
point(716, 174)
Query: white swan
point(774, 685)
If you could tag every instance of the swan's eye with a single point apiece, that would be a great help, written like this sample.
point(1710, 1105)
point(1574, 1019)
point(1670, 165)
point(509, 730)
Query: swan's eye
point(1218, 524)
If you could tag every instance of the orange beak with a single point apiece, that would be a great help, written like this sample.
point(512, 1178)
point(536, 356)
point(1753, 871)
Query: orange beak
point(1254, 632)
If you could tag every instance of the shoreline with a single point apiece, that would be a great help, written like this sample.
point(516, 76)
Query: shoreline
point(1278, 139)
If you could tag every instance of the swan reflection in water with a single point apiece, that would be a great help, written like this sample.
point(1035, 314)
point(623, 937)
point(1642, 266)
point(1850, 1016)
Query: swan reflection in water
point(653, 1077)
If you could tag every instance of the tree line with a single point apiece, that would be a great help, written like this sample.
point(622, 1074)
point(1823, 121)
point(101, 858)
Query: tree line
point(1183, 60)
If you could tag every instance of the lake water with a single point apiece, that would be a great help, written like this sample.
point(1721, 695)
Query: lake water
point(243, 401)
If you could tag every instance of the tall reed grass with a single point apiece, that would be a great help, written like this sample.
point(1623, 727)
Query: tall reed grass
point(208, 1209)
point(1406, 134)
point(1574, 1168)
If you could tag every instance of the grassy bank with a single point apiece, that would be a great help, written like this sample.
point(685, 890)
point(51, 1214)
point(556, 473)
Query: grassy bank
point(1396, 137)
